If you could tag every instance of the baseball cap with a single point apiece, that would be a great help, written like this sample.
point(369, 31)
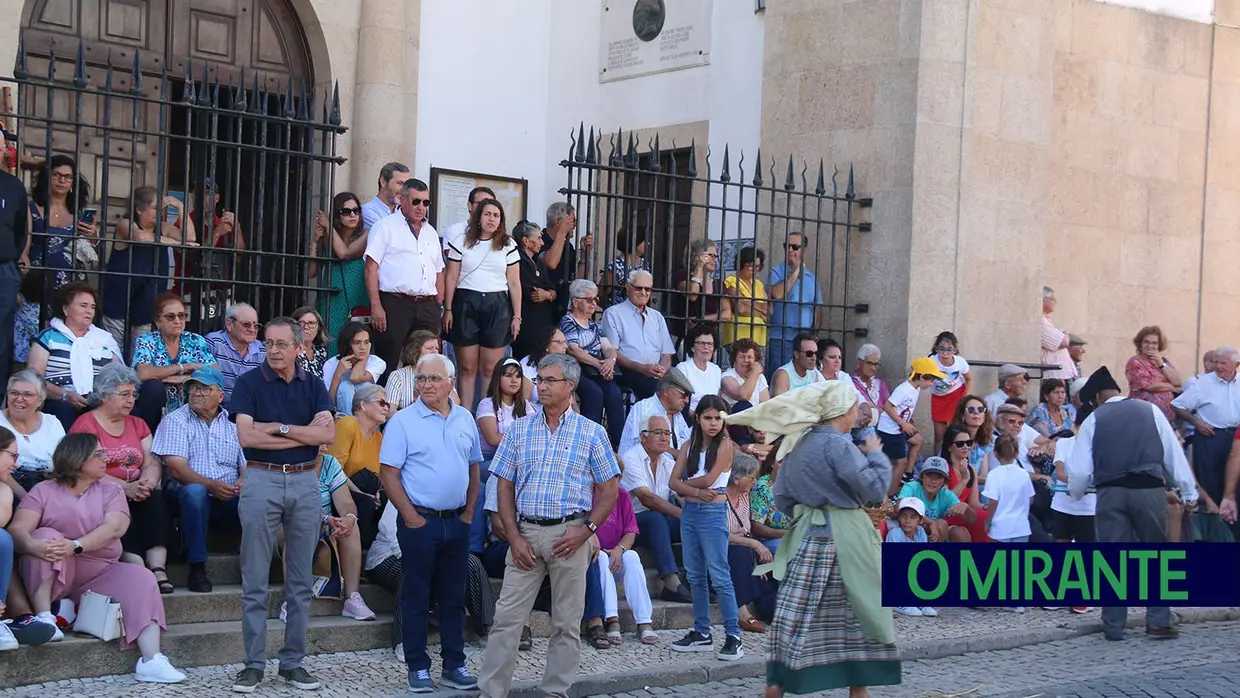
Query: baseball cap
point(933, 464)
point(926, 367)
point(911, 503)
point(1011, 371)
point(207, 375)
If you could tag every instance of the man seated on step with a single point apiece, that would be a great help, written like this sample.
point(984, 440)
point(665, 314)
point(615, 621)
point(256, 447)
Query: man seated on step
point(645, 472)
point(669, 401)
point(198, 444)
point(495, 556)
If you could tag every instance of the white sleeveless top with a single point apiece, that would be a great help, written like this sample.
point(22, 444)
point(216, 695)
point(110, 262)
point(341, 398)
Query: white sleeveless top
point(721, 481)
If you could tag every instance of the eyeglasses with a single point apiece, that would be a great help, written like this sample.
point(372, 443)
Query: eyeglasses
point(247, 325)
point(540, 380)
point(593, 300)
point(11, 453)
point(684, 394)
point(976, 409)
point(100, 454)
point(15, 394)
point(963, 444)
point(703, 344)
point(657, 432)
point(201, 389)
point(309, 323)
point(62, 176)
point(945, 350)
point(175, 316)
point(642, 289)
point(124, 394)
point(557, 342)
point(793, 246)
point(353, 211)
point(383, 403)
point(873, 364)
point(420, 202)
point(429, 378)
point(281, 344)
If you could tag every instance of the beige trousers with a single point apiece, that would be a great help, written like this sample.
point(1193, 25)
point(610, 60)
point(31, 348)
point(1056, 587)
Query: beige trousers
point(516, 600)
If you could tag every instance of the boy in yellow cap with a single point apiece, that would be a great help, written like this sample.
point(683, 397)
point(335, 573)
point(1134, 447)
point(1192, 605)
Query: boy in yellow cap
point(899, 435)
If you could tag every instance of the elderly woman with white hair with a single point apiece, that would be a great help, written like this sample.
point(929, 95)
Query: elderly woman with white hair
point(744, 549)
point(598, 391)
point(872, 390)
point(37, 433)
point(830, 627)
point(126, 443)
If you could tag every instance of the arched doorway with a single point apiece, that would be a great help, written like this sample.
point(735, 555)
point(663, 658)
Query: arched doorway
point(241, 126)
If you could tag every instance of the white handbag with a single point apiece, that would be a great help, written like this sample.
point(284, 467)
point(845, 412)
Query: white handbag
point(100, 616)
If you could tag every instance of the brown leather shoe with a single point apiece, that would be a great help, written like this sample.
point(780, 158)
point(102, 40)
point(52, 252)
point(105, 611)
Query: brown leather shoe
point(1162, 633)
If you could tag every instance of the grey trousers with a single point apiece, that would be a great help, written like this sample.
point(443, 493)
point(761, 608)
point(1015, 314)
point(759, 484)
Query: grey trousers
point(269, 500)
point(1131, 516)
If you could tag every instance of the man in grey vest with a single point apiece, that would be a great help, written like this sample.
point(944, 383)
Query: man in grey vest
point(1128, 451)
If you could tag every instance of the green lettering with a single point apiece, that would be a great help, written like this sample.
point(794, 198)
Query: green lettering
point(1037, 576)
point(1102, 568)
point(971, 577)
point(1166, 575)
point(1143, 558)
point(916, 587)
point(1073, 576)
point(1012, 591)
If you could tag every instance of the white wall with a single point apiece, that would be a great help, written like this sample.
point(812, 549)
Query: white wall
point(543, 58)
point(1196, 10)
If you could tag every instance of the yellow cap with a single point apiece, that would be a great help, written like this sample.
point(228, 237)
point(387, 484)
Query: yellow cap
point(926, 367)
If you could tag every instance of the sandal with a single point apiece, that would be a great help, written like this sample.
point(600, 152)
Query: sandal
point(613, 633)
point(527, 639)
point(752, 625)
point(597, 637)
point(165, 586)
point(648, 635)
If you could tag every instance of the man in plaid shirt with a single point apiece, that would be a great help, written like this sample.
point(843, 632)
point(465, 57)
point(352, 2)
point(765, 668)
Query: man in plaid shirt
point(558, 483)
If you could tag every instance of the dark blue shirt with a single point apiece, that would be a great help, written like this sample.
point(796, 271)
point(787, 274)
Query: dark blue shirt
point(266, 397)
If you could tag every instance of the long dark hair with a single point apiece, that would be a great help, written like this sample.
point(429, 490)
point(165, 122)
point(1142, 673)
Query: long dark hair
point(944, 336)
point(79, 193)
point(698, 442)
point(338, 202)
point(344, 344)
point(986, 431)
point(953, 430)
point(769, 463)
point(496, 393)
point(474, 229)
point(542, 342)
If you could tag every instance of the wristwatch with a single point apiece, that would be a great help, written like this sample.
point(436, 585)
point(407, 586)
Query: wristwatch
point(283, 429)
point(591, 525)
point(77, 547)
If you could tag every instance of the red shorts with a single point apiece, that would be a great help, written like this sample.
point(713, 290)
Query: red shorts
point(977, 529)
point(943, 407)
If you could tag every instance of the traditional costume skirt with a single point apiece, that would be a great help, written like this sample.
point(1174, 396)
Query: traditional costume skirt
point(815, 642)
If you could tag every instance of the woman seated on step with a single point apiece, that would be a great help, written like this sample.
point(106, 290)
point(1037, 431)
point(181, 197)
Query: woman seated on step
point(68, 531)
point(353, 367)
point(745, 551)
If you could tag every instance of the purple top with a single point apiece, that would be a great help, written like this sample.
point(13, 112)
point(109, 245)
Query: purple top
point(620, 521)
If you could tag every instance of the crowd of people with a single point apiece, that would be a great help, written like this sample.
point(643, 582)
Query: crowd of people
point(457, 408)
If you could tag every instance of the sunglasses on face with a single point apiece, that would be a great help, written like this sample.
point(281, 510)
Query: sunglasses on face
point(976, 409)
point(176, 316)
point(350, 211)
point(963, 444)
point(810, 353)
point(794, 247)
point(420, 202)
point(643, 289)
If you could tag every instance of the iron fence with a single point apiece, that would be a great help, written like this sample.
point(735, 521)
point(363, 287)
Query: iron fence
point(670, 198)
point(237, 145)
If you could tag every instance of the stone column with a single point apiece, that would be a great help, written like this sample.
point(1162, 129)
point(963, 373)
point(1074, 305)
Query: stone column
point(380, 115)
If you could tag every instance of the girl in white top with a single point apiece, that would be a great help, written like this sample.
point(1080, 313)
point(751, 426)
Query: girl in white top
point(946, 393)
point(352, 368)
point(744, 382)
point(482, 296)
point(503, 405)
point(703, 374)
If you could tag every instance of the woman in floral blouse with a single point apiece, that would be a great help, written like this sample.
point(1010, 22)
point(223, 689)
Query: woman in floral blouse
point(1150, 376)
point(163, 377)
point(314, 349)
point(1054, 413)
point(769, 524)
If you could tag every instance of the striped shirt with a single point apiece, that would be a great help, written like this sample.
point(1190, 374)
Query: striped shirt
point(212, 450)
point(59, 346)
point(555, 471)
point(231, 363)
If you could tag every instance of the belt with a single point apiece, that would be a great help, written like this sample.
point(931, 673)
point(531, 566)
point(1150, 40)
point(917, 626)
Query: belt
point(287, 469)
point(551, 522)
point(415, 299)
point(438, 513)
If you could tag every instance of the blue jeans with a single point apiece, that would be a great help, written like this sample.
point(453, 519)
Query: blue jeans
point(435, 563)
point(598, 396)
point(200, 511)
point(704, 545)
point(6, 563)
point(479, 524)
point(657, 531)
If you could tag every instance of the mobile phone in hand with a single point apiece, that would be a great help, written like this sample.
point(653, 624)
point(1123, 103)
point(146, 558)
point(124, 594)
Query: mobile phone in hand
point(89, 215)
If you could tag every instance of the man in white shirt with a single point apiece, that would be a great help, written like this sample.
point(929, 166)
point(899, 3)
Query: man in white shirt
point(391, 178)
point(1128, 451)
point(1211, 404)
point(404, 274)
point(645, 472)
point(456, 231)
point(669, 402)
point(1012, 383)
point(639, 334)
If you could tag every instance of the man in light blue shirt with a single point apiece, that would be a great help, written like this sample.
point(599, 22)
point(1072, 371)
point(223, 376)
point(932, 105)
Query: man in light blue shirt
point(639, 333)
point(430, 457)
point(795, 296)
point(391, 179)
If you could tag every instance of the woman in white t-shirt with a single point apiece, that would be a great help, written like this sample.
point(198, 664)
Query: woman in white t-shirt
point(503, 405)
point(482, 296)
point(37, 433)
point(703, 374)
point(351, 368)
point(945, 393)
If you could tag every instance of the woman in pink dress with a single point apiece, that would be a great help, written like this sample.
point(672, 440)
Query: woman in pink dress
point(68, 531)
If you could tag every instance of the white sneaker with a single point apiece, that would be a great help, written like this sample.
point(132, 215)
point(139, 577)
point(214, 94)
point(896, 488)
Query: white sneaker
point(908, 611)
point(48, 618)
point(1052, 608)
point(158, 670)
point(7, 641)
point(399, 651)
point(1017, 609)
point(929, 611)
point(283, 611)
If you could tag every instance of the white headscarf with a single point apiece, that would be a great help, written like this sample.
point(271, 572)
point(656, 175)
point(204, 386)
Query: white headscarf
point(97, 344)
point(790, 414)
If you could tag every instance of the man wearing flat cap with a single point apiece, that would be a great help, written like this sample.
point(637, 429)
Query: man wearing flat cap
point(1012, 383)
point(671, 395)
point(1076, 350)
point(1128, 451)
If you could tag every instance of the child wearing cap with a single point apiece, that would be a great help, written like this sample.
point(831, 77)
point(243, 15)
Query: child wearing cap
point(899, 435)
point(910, 513)
point(940, 502)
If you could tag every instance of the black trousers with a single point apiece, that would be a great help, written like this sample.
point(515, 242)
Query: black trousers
point(367, 511)
point(404, 316)
point(149, 524)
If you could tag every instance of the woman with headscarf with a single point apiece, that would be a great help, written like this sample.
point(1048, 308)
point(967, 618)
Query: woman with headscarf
point(830, 628)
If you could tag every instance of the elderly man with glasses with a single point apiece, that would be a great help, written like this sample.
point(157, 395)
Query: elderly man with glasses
point(641, 337)
point(236, 347)
point(198, 444)
point(646, 475)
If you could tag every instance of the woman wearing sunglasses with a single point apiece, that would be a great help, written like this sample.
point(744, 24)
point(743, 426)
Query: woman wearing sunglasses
point(963, 480)
point(164, 359)
point(974, 416)
point(345, 282)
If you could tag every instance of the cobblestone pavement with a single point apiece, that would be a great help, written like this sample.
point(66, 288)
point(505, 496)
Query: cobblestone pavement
point(379, 673)
point(1082, 667)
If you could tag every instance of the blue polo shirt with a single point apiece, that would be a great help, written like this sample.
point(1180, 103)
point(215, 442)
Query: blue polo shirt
point(433, 454)
point(267, 397)
point(796, 311)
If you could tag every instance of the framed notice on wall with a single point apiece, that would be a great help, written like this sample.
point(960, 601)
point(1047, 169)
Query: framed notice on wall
point(641, 37)
point(450, 196)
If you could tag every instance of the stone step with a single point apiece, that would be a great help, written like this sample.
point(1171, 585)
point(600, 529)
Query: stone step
point(223, 603)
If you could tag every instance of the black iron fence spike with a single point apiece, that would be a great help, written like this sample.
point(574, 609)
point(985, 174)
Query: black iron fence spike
point(302, 100)
point(21, 70)
point(611, 146)
point(107, 76)
point(79, 66)
point(653, 149)
point(757, 170)
point(204, 95)
point(630, 158)
point(290, 103)
point(312, 96)
point(189, 70)
point(187, 91)
point(657, 150)
point(252, 103)
point(725, 175)
point(335, 118)
point(137, 72)
point(804, 168)
point(692, 172)
point(591, 157)
point(215, 92)
point(821, 188)
point(789, 185)
point(51, 66)
point(852, 189)
point(579, 155)
point(672, 160)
